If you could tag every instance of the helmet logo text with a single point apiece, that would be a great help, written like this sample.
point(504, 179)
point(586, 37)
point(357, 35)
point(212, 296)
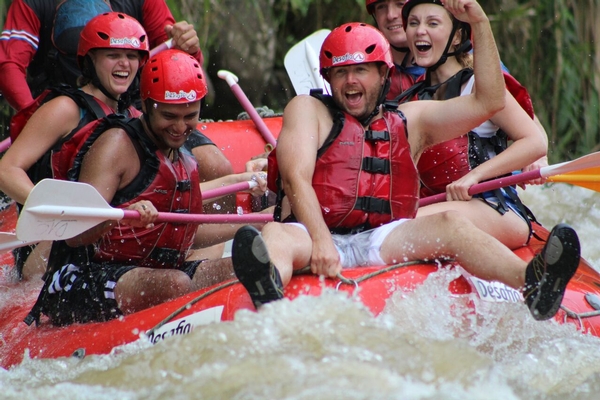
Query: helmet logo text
point(133, 42)
point(357, 57)
point(190, 96)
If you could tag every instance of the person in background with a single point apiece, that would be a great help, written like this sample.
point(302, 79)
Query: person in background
point(390, 14)
point(387, 15)
point(38, 49)
point(110, 64)
point(116, 268)
point(348, 169)
point(39, 41)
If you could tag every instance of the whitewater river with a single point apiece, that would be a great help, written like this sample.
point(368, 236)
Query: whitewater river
point(420, 347)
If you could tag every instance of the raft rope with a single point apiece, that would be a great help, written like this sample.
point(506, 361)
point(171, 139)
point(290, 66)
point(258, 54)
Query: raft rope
point(370, 275)
point(343, 280)
point(304, 270)
point(579, 316)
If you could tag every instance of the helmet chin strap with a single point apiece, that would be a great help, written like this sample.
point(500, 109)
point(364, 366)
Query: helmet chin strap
point(96, 82)
point(464, 47)
point(89, 71)
point(400, 49)
point(382, 95)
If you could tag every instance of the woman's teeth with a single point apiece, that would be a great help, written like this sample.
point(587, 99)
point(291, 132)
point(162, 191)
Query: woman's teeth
point(422, 46)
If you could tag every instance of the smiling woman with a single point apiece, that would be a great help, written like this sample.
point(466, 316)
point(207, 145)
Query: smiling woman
point(111, 50)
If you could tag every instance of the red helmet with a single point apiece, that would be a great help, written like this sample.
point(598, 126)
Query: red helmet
point(354, 43)
point(113, 30)
point(174, 77)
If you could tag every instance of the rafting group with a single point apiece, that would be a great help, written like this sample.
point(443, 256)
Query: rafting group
point(418, 105)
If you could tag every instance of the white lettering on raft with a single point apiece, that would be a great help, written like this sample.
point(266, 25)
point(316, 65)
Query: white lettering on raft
point(496, 291)
point(187, 324)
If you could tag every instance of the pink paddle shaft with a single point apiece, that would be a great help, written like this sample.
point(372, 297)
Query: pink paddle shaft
point(224, 190)
point(485, 186)
point(260, 124)
point(204, 218)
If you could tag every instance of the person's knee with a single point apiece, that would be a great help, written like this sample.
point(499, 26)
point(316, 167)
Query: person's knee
point(452, 221)
point(271, 230)
point(178, 285)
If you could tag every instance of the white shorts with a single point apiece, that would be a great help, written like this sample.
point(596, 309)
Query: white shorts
point(361, 249)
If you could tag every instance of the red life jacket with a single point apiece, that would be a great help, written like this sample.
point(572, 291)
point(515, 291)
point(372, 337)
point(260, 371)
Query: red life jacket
point(446, 162)
point(93, 108)
point(171, 187)
point(367, 177)
point(400, 81)
point(66, 156)
point(96, 109)
point(362, 178)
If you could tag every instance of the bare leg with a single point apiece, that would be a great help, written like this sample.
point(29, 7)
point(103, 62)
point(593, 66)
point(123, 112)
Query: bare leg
point(509, 228)
point(212, 272)
point(141, 288)
point(289, 247)
point(211, 252)
point(449, 234)
point(37, 262)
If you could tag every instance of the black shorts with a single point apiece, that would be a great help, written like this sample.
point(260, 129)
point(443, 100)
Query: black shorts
point(86, 294)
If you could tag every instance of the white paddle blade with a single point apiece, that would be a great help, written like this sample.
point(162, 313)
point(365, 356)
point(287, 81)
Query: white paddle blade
point(9, 241)
point(588, 161)
point(302, 64)
point(59, 210)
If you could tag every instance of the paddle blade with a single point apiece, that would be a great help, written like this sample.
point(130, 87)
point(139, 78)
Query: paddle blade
point(587, 178)
point(302, 63)
point(59, 210)
point(9, 241)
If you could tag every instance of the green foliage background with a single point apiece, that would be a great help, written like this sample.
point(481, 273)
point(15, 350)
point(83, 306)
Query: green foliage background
point(551, 46)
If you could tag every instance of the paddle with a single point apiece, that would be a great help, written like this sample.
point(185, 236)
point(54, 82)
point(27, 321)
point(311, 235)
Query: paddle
point(163, 46)
point(9, 241)
point(588, 178)
point(225, 190)
point(581, 165)
point(58, 210)
point(302, 63)
point(232, 80)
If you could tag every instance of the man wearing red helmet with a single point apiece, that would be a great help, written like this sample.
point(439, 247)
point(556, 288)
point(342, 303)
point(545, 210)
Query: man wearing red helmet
point(388, 19)
point(137, 164)
point(347, 166)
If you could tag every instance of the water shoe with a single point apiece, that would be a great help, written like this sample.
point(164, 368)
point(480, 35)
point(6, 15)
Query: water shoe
point(548, 273)
point(253, 267)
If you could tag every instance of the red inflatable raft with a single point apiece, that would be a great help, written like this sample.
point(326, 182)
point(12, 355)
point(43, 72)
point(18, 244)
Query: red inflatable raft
point(222, 301)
